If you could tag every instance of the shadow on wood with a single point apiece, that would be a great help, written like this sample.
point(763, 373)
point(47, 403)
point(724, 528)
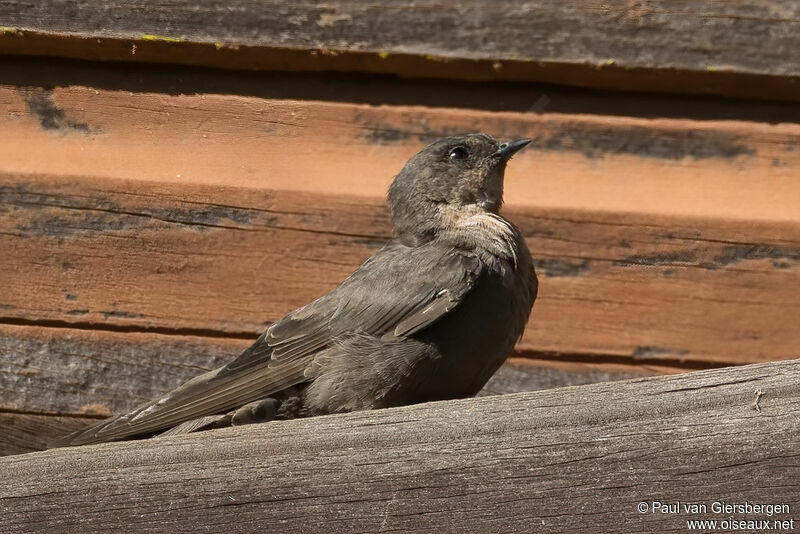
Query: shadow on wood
point(730, 48)
point(578, 459)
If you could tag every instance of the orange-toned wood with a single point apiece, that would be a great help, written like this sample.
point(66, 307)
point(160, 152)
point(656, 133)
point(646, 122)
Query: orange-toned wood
point(730, 169)
point(209, 214)
point(218, 260)
point(169, 229)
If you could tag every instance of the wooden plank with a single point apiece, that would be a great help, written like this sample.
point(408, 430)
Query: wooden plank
point(60, 371)
point(578, 161)
point(668, 239)
point(217, 260)
point(521, 374)
point(89, 373)
point(574, 459)
point(100, 386)
point(699, 46)
point(24, 432)
point(373, 90)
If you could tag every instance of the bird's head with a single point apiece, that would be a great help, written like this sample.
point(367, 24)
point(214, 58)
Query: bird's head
point(454, 175)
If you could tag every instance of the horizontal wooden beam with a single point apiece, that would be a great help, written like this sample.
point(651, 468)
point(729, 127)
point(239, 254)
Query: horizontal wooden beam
point(49, 373)
point(581, 459)
point(61, 371)
point(697, 47)
point(581, 161)
point(375, 90)
point(216, 261)
point(96, 373)
point(215, 215)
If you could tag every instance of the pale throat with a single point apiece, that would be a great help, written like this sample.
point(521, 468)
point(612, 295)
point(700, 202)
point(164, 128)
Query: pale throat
point(473, 226)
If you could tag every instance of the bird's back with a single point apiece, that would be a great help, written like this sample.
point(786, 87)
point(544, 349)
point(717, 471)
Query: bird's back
point(455, 356)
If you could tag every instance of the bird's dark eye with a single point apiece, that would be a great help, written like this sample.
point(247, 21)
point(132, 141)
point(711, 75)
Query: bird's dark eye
point(459, 152)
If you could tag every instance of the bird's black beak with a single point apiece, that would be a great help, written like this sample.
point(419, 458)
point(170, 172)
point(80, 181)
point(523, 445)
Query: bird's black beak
point(507, 150)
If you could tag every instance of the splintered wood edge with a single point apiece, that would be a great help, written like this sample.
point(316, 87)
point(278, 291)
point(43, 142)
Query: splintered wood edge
point(503, 462)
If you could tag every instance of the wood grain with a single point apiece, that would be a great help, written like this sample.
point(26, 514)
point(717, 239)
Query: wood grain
point(725, 47)
point(21, 433)
point(521, 374)
point(204, 260)
point(46, 373)
point(657, 238)
point(711, 168)
point(63, 371)
point(376, 90)
point(60, 371)
point(563, 460)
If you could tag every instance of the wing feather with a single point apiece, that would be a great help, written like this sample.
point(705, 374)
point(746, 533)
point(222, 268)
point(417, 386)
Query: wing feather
point(382, 298)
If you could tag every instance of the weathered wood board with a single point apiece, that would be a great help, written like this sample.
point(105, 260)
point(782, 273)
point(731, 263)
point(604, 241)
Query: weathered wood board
point(61, 371)
point(377, 90)
point(580, 459)
point(708, 168)
point(154, 219)
point(48, 373)
point(74, 372)
point(705, 46)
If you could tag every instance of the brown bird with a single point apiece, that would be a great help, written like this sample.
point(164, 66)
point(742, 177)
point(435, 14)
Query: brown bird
point(430, 316)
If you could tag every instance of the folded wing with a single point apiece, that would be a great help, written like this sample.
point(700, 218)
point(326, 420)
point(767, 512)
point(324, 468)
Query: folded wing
point(384, 298)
